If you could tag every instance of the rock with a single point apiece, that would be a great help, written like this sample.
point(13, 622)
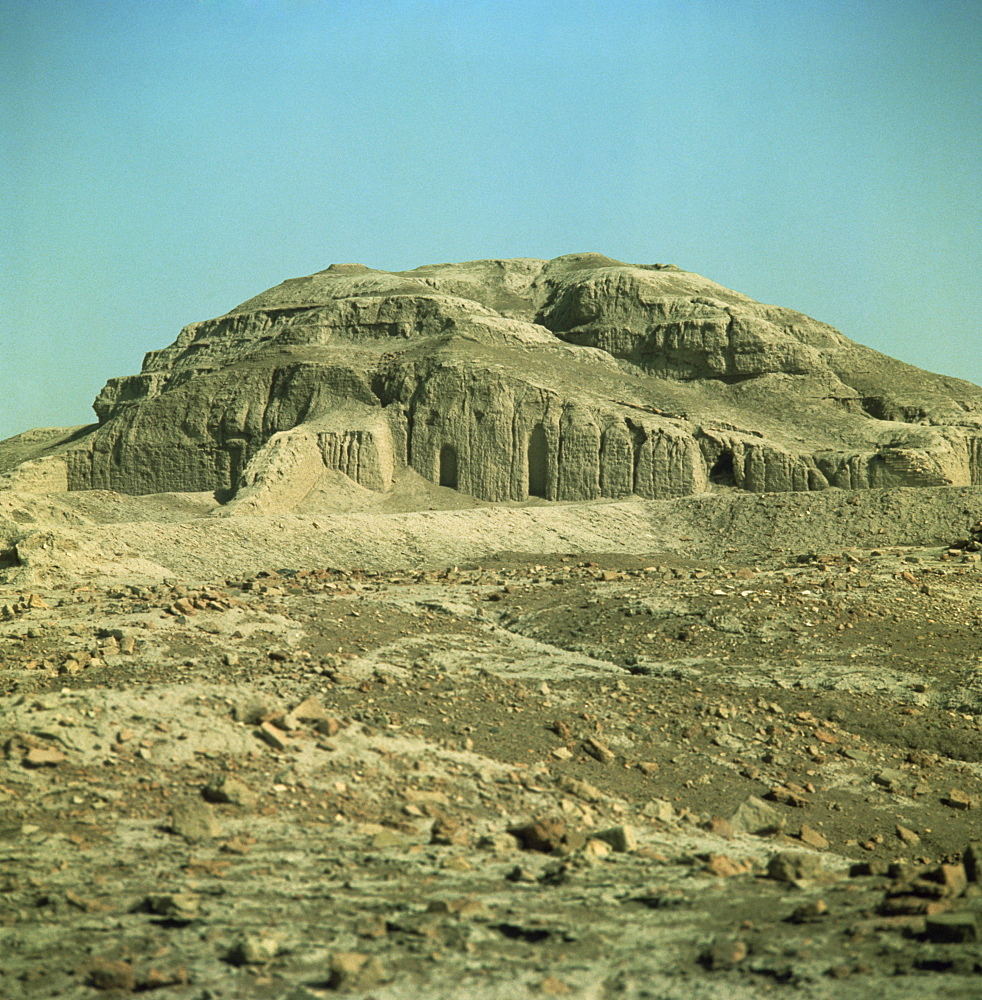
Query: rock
point(812, 838)
point(720, 827)
point(599, 750)
point(660, 810)
point(522, 874)
point(561, 729)
point(724, 954)
point(890, 779)
point(789, 794)
point(910, 838)
point(498, 843)
point(972, 860)
point(43, 757)
point(957, 799)
point(723, 866)
point(808, 912)
point(545, 836)
point(464, 906)
point(755, 816)
point(446, 830)
point(390, 838)
point(583, 790)
point(620, 838)
point(552, 986)
point(354, 970)
point(110, 974)
point(272, 736)
point(255, 949)
point(174, 905)
point(194, 820)
point(225, 788)
point(952, 877)
point(862, 869)
point(309, 710)
point(596, 848)
point(253, 710)
point(327, 727)
point(790, 866)
point(955, 928)
point(155, 979)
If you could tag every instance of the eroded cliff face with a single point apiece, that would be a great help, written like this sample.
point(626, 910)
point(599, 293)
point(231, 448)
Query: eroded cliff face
point(571, 379)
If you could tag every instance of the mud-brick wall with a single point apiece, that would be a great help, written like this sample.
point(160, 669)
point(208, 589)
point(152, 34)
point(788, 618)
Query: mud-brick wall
point(363, 454)
point(975, 460)
point(499, 439)
point(200, 435)
point(755, 465)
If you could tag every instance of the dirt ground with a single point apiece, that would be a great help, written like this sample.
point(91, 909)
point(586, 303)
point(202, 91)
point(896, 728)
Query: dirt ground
point(693, 772)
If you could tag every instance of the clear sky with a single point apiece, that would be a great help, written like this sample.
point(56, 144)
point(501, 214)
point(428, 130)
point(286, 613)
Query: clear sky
point(164, 160)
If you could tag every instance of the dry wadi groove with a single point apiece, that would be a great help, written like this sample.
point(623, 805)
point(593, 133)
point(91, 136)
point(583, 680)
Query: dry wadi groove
point(422, 634)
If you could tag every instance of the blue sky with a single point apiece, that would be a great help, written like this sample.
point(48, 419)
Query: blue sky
point(163, 161)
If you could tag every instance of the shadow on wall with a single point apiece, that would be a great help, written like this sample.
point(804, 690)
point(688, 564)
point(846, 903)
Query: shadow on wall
point(538, 460)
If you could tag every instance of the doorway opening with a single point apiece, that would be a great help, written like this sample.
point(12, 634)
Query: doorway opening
point(722, 474)
point(448, 466)
point(538, 461)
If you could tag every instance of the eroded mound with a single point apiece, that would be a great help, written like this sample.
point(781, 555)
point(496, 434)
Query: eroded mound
point(571, 379)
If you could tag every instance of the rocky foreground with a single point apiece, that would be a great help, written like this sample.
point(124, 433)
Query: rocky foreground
point(721, 769)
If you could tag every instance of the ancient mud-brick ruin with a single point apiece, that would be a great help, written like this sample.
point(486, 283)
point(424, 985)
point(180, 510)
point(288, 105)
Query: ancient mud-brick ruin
point(571, 379)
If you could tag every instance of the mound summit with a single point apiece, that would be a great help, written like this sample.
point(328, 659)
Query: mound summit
point(571, 379)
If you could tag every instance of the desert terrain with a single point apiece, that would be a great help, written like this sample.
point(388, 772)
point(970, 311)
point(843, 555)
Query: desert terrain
point(710, 761)
point(496, 630)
